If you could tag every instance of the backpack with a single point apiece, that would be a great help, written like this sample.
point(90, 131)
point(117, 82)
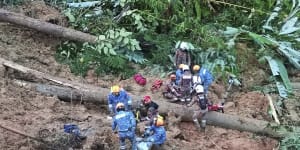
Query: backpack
point(139, 79)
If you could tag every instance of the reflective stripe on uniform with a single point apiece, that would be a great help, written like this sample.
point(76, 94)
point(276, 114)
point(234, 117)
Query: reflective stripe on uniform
point(118, 116)
point(204, 71)
point(123, 147)
point(110, 106)
point(129, 102)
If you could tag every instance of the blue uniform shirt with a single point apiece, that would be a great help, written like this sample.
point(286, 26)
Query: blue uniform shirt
point(206, 78)
point(123, 97)
point(158, 136)
point(125, 121)
point(179, 73)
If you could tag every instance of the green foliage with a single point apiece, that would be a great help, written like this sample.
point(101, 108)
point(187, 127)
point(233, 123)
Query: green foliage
point(82, 57)
point(291, 142)
point(11, 2)
point(143, 30)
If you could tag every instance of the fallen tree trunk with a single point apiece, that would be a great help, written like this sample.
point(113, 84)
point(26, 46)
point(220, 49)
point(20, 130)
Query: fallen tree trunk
point(295, 85)
point(82, 92)
point(213, 118)
point(45, 27)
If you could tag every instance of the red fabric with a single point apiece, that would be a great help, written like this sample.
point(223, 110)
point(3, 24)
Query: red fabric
point(156, 85)
point(139, 79)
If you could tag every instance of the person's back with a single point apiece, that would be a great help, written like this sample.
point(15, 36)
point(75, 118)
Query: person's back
point(126, 124)
point(186, 84)
point(206, 78)
point(123, 120)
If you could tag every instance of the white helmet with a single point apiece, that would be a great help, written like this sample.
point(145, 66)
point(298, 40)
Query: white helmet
point(185, 67)
point(199, 89)
point(184, 46)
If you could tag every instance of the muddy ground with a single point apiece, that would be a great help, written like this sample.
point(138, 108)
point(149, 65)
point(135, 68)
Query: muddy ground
point(44, 116)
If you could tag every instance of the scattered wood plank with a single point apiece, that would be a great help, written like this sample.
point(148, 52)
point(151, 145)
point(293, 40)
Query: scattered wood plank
point(274, 114)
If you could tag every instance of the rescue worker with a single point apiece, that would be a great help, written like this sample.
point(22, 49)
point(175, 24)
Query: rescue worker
point(147, 102)
point(205, 75)
point(118, 95)
point(182, 56)
point(202, 102)
point(126, 124)
point(179, 73)
point(171, 90)
point(185, 84)
point(156, 133)
point(145, 105)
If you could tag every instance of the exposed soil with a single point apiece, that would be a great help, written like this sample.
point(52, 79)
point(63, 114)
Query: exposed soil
point(41, 115)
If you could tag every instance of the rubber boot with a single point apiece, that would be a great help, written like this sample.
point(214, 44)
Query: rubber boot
point(196, 122)
point(203, 125)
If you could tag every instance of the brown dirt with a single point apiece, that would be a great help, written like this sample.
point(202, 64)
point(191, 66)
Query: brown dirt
point(31, 112)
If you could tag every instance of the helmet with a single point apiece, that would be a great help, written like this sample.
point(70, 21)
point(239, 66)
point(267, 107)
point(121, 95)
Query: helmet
point(196, 67)
point(184, 46)
point(146, 99)
point(172, 76)
point(181, 66)
point(120, 106)
point(158, 121)
point(115, 89)
point(186, 67)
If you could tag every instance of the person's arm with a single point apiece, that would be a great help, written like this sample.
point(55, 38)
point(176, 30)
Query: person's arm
point(129, 101)
point(155, 105)
point(110, 101)
point(114, 124)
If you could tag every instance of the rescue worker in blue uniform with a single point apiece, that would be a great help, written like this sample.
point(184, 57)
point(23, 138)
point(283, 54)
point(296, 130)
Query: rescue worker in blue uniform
point(126, 124)
point(118, 95)
point(206, 77)
point(156, 133)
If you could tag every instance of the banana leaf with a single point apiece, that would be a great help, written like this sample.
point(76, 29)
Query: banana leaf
point(279, 72)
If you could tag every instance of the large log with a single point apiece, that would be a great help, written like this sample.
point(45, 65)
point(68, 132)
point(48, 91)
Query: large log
point(213, 118)
point(81, 92)
point(45, 27)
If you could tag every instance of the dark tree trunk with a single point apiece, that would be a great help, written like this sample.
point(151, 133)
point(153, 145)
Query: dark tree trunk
point(45, 27)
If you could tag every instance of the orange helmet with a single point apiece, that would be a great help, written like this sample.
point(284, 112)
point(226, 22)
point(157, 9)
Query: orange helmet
point(196, 68)
point(147, 99)
point(158, 120)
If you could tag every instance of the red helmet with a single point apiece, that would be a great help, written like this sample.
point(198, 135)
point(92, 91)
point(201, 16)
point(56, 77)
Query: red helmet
point(147, 99)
